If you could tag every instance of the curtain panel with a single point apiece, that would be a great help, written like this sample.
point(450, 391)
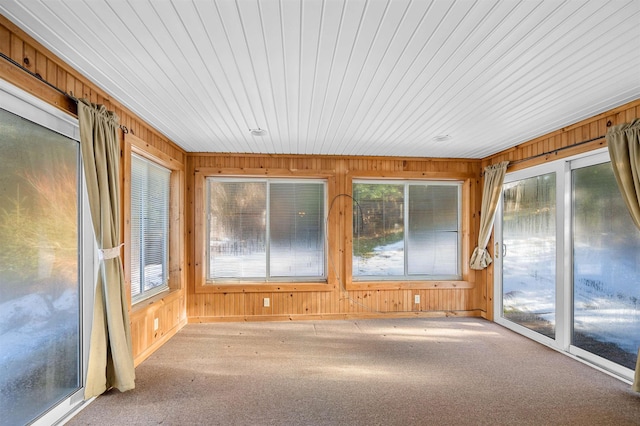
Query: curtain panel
point(623, 142)
point(491, 191)
point(110, 349)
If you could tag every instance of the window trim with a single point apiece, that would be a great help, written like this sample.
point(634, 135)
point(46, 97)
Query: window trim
point(406, 190)
point(176, 270)
point(469, 184)
point(143, 295)
point(269, 278)
point(202, 285)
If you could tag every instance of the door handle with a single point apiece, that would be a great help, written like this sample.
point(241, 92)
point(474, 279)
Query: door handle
point(504, 250)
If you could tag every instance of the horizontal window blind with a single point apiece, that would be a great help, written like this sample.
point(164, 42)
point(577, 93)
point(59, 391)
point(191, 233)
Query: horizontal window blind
point(266, 229)
point(150, 185)
point(406, 230)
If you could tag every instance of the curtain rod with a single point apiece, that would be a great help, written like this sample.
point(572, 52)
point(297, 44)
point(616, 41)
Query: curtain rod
point(39, 77)
point(36, 75)
point(555, 151)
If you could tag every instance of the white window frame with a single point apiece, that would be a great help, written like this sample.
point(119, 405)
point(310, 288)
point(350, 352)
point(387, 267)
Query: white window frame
point(268, 278)
point(413, 277)
point(144, 295)
point(564, 265)
point(25, 105)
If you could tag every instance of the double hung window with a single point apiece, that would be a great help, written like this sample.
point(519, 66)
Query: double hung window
point(264, 230)
point(406, 230)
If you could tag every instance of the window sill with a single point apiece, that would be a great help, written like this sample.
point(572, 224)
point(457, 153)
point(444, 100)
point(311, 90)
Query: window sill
point(163, 296)
point(407, 285)
point(262, 287)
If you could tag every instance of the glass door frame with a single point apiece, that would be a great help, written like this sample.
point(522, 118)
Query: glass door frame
point(626, 374)
point(564, 262)
point(561, 337)
point(23, 104)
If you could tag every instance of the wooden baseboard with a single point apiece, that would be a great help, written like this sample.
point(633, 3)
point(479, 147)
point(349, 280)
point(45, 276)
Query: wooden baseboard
point(158, 343)
point(250, 318)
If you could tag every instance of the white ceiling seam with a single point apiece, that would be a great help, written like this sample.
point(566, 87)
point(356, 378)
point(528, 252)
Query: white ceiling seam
point(352, 77)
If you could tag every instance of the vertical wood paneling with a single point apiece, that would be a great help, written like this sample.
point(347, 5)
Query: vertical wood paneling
point(27, 52)
point(592, 128)
point(170, 311)
point(28, 57)
point(16, 48)
point(335, 301)
point(5, 41)
point(562, 140)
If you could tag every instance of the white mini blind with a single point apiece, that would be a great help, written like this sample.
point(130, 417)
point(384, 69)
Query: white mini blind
point(149, 228)
point(407, 230)
point(266, 229)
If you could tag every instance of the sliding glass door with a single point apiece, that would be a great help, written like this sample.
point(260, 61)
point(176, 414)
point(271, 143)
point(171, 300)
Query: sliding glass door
point(606, 267)
point(41, 262)
point(529, 253)
point(568, 261)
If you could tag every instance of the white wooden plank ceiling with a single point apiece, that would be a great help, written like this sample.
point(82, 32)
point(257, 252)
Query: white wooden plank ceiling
point(356, 77)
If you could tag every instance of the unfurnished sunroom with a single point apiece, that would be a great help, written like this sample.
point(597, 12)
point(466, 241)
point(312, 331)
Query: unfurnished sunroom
point(167, 163)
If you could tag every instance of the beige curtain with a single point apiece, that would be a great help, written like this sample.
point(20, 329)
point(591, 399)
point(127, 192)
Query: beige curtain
point(624, 149)
point(493, 179)
point(110, 350)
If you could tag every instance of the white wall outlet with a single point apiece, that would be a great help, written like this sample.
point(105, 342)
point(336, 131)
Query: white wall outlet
point(416, 298)
point(266, 302)
point(155, 324)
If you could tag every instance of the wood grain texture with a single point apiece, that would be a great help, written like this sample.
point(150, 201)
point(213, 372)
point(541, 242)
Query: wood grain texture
point(339, 296)
point(562, 143)
point(169, 308)
point(25, 51)
point(470, 297)
point(170, 312)
point(568, 141)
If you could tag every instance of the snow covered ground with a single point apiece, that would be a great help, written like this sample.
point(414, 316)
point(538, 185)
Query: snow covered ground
point(386, 260)
point(607, 297)
point(39, 352)
point(438, 257)
point(301, 262)
point(606, 289)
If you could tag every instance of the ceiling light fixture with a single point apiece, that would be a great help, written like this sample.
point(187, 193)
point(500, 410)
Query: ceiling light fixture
point(257, 132)
point(441, 138)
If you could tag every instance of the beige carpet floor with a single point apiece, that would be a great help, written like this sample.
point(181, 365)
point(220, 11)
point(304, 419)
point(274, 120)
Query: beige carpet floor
point(445, 371)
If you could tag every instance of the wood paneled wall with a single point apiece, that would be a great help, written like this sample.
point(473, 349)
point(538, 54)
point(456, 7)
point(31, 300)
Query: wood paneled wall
point(584, 136)
point(578, 138)
point(338, 298)
point(169, 309)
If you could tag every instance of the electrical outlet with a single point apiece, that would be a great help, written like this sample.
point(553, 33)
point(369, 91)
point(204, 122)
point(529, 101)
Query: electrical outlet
point(155, 324)
point(267, 302)
point(416, 298)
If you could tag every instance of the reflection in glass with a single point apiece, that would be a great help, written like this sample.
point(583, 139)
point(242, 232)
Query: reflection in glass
point(606, 268)
point(430, 249)
point(529, 260)
point(378, 229)
point(39, 284)
point(266, 228)
point(237, 229)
